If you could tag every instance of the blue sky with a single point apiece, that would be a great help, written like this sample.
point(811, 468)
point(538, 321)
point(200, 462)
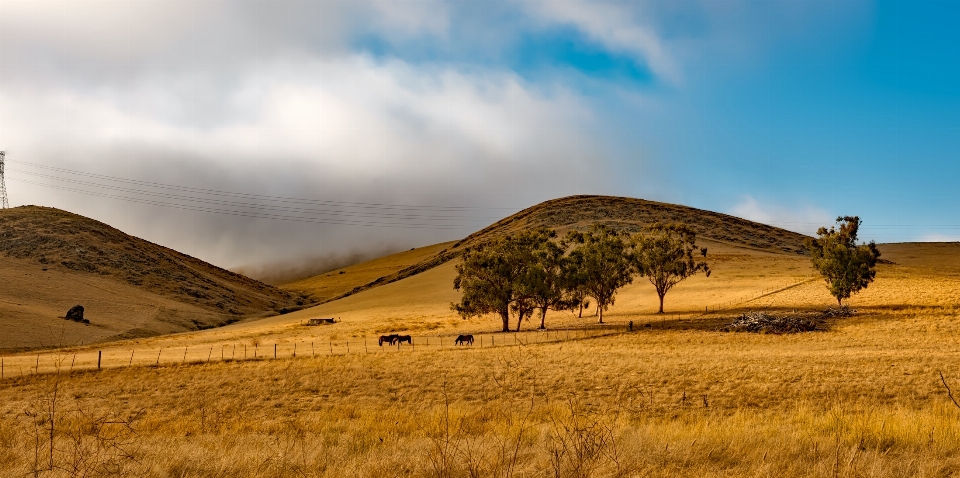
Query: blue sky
point(786, 112)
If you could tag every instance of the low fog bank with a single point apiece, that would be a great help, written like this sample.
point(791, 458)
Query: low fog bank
point(291, 270)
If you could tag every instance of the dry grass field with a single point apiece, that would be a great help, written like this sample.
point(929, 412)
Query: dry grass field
point(675, 398)
point(52, 260)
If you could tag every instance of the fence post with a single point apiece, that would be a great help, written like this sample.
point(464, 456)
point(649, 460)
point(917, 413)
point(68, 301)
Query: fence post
point(158, 355)
point(131, 358)
point(331, 347)
point(233, 355)
point(313, 351)
point(294, 350)
point(99, 356)
point(255, 347)
point(365, 350)
point(184, 355)
point(274, 350)
point(348, 347)
point(36, 369)
point(210, 354)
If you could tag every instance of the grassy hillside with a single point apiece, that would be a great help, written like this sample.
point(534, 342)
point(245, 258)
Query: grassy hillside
point(578, 212)
point(51, 260)
point(677, 398)
point(336, 283)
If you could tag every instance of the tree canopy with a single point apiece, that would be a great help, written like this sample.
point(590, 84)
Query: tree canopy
point(664, 254)
point(846, 267)
point(548, 279)
point(493, 275)
point(600, 259)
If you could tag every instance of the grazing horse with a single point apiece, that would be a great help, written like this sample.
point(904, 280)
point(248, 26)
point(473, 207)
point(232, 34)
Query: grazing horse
point(464, 340)
point(404, 338)
point(388, 339)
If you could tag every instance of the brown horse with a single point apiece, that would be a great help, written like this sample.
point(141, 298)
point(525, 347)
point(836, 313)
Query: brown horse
point(404, 338)
point(464, 340)
point(388, 339)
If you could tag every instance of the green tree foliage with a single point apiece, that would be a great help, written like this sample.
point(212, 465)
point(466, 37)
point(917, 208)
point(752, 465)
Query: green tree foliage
point(664, 254)
point(846, 267)
point(600, 261)
point(548, 279)
point(492, 276)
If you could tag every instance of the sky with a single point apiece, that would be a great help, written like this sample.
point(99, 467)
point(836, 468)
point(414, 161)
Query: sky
point(281, 133)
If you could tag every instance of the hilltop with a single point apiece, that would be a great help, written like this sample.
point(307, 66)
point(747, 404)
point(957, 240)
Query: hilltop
point(562, 215)
point(51, 260)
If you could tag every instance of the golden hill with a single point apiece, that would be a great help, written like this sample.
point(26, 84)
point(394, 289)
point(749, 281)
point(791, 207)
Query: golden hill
point(51, 260)
point(564, 214)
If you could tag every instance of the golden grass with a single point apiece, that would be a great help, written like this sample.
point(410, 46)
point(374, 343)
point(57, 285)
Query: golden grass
point(335, 283)
point(677, 398)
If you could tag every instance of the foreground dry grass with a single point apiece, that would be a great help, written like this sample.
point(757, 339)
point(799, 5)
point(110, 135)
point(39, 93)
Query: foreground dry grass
point(862, 400)
point(677, 398)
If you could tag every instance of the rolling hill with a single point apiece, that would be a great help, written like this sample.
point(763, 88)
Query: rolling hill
point(562, 215)
point(51, 260)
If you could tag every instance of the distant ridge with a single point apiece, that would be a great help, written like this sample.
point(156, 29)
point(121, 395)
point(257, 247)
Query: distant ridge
point(59, 239)
point(629, 214)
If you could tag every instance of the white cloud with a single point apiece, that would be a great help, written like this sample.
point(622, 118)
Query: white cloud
point(346, 128)
point(938, 237)
point(616, 25)
point(802, 219)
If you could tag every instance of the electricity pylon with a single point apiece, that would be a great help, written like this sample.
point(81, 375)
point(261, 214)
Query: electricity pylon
point(3, 188)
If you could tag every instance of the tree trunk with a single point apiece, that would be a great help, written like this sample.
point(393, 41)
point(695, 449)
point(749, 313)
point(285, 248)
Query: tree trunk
point(543, 318)
point(581, 310)
point(661, 303)
point(519, 319)
point(505, 317)
point(839, 302)
point(600, 313)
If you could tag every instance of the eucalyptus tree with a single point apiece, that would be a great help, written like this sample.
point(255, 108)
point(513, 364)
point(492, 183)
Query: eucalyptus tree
point(600, 259)
point(548, 280)
point(492, 276)
point(664, 254)
point(846, 267)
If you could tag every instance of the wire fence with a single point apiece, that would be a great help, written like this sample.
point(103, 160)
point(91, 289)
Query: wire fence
point(739, 301)
point(69, 360)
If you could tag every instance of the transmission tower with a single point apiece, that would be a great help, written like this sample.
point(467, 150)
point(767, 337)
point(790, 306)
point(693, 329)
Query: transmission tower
point(3, 188)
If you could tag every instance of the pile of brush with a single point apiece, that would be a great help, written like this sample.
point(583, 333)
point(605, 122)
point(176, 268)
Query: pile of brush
point(764, 323)
point(767, 323)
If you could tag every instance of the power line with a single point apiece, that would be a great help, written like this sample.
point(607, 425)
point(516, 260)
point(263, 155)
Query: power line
point(215, 192)
point(257, 205)
point(333, 212)
point(187, 207)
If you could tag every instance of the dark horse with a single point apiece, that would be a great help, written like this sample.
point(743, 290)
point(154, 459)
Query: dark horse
point(464, 340)
point(404, 338)
point(388, 339)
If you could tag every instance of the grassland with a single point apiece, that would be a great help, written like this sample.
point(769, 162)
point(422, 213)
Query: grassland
point(52, 260)
point(863, 398)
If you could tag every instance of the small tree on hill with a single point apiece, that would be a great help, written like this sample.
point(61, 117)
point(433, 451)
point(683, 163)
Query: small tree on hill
point(846, 267)
point(664, 254)
point(491, 276)
point(600, 259)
